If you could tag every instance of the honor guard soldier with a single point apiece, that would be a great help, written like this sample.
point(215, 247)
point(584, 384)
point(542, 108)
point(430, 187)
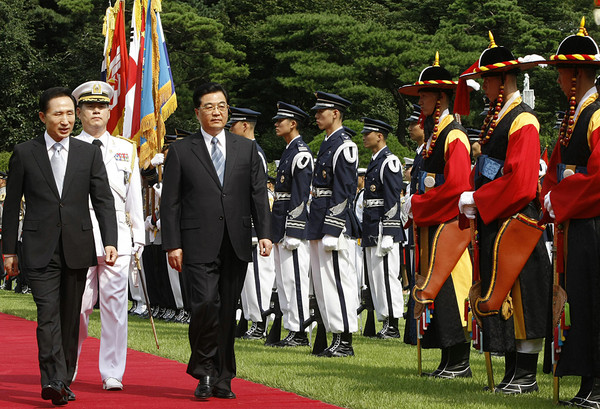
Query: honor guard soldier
point(107, 282)
point(571, 197)
point(511, 299)
point(444, 267)
point(330, 221)
point(382, 227)
point(288, 224)
point(260, 277)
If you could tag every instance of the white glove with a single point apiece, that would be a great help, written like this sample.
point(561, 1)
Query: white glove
point(157, 189)
point(466, 205)
point(158, 159)
point(291, 243)
point(407, 208)
point(330, 242)
point(137, 249)
point(387, 244)
point(148, 223)
point(158, 224)
point(548, 205)
point(254, 241)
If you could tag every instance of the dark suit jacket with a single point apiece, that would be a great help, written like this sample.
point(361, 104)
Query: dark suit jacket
point(195, 208)
point(48, 216)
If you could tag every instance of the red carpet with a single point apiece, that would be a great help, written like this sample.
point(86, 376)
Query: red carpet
point(150, 381)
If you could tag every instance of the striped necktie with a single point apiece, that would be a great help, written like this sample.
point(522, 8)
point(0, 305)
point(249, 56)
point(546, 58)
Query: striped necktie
point(218, 159)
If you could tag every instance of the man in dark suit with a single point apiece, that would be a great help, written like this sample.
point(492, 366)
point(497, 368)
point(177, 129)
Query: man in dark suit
point(214, 185)
point(56, 175)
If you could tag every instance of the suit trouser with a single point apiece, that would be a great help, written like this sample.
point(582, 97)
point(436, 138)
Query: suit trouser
point(335, 286)
point(57, 292)
point(291, 273)
point(110, 283)
point(386, 287)
point(258, 286)
point(214, 289)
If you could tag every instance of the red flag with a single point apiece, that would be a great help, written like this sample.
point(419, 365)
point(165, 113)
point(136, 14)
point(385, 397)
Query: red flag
point(116, 74)
point(544, 156)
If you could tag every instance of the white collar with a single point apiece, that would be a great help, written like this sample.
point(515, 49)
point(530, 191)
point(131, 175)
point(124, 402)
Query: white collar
point(208, 138)
point(377, 153)
point(588, 94)
point(50, 142)
point(512, 99)
point(327, 136)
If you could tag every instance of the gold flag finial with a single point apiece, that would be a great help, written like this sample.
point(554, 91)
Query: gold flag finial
point(436, 63)
point(582, 31)
point(492, 42)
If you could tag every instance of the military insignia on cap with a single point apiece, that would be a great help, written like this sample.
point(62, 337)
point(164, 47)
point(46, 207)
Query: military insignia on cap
point(282, 178)
point(324, 175)
point(373, 188)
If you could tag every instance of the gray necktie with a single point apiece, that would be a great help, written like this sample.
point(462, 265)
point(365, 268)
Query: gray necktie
point(58, 167)
point(218, 159)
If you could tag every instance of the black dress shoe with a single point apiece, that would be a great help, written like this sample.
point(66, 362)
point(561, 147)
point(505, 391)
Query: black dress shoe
point(204, 388)
point(70, 394)
point(341, 346)
point(223, 393)
point(55, 391)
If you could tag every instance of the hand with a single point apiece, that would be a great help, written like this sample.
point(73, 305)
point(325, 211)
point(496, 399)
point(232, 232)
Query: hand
point(148, 225)
point(158, 159)
point(548, 205)
point(407, 208)
point(111, 255)
point(387, 244)
point(175, 258)
point(467, 206)
point(11, 265)
point(158, 224)
point(265, 246)
point(291, 243)
point(137, 250)
point(330, 242)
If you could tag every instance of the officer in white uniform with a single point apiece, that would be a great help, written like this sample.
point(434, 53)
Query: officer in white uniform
point(110, 282)
point(382, 228)
point(288, 224)
point(331, 221)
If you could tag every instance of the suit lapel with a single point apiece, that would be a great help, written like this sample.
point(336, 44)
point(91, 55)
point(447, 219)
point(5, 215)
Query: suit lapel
point(40, 153)
point(231, 155)
point(199, 149)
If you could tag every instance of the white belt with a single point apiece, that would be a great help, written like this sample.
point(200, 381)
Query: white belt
point(320, 192)
point(373, 203)
point(282, 196)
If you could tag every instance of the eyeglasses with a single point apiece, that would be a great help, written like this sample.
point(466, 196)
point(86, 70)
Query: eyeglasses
point(209, 108)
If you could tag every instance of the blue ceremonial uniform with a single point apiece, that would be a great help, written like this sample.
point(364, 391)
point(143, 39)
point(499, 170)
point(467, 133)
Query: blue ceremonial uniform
point(292, 191)
point(334, 187)
point(383, 185)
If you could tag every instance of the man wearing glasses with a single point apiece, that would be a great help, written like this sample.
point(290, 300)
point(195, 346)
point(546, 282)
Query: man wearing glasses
point(214, 183)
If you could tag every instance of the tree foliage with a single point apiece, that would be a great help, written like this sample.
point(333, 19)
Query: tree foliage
point(264, 51)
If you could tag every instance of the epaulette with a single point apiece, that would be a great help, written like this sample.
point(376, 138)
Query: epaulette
point(125, 139)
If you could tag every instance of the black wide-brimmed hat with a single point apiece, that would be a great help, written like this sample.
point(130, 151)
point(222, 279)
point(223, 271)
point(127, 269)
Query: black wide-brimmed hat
point(576, 50)
point(431, 78)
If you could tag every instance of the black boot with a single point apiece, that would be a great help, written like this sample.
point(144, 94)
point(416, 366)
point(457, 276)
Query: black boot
point(341, 346)
point(588, 395)
point(256, 331)
point(510, 365)
point(294, 339)
point(523, 380)
point(390, 329)
point(441, 366)
point(458, 362)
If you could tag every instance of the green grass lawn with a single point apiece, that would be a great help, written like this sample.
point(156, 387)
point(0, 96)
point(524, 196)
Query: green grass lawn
point(381, 375)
